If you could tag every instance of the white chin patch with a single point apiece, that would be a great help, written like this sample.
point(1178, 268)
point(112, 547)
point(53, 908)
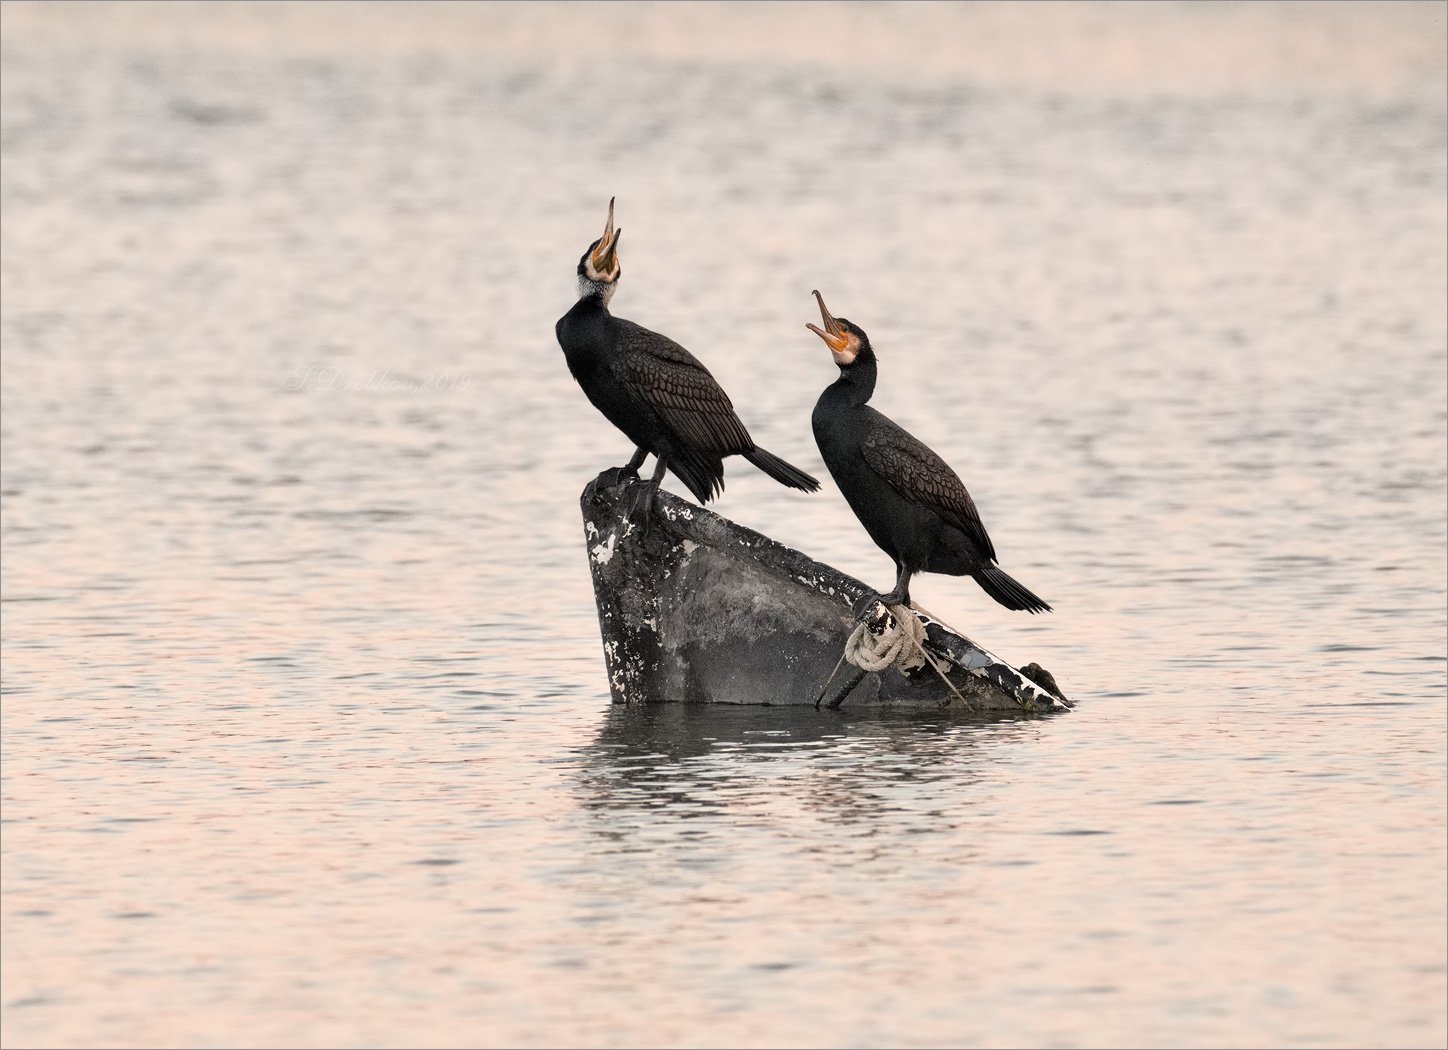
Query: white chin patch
point(590, 286)
point(846, 356)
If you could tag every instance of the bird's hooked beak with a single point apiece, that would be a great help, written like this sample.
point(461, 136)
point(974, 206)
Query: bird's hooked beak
point(835, 337)
point(605, 255)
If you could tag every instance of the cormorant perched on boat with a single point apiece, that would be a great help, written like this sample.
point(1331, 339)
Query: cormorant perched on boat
point(654, 390)
point(909, 500)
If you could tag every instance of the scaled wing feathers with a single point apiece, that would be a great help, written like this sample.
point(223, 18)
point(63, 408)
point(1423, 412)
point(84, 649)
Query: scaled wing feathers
point(918, 474)
point(675, 384)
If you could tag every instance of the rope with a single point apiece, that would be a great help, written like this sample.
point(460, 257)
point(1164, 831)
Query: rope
point(898, 646)
point(901, 645)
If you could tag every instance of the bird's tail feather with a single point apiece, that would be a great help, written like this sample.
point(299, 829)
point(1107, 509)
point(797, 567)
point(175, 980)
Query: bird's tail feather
point(996, 582)
point(781, 471)
point(700, 475)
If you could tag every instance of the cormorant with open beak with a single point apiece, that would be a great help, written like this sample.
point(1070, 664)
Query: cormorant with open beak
point(655, 391)
point(909, 500)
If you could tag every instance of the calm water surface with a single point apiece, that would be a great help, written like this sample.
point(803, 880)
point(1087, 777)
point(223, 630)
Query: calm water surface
point(307, 740)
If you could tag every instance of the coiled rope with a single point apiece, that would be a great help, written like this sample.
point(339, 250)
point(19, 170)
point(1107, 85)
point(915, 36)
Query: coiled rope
point(899, 646)
point(899, 643)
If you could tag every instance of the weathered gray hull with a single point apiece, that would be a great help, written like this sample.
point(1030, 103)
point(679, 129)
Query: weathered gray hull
point(698, 609)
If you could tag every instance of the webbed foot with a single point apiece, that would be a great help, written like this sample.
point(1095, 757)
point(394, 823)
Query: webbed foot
point(863, 607)
point(641, 507)
point(610, 478)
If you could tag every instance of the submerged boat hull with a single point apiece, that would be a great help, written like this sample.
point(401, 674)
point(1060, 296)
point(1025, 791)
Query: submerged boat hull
point(698, 609)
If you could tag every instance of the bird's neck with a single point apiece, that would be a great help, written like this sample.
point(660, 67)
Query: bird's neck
point(600, 290)
point(857, 382)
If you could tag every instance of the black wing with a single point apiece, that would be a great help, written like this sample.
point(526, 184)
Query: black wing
point(681, 390)
point(918, 474)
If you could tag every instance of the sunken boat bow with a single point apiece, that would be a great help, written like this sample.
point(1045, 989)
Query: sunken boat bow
point(696, 608)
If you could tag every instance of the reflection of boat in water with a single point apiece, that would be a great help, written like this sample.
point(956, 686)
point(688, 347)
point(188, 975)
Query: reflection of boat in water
point(696, 608)
point(692, 760)
point(679, 732)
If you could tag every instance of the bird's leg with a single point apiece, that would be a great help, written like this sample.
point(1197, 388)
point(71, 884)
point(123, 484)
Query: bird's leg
point(642, 510)
point(899, 596)
point(632, 466)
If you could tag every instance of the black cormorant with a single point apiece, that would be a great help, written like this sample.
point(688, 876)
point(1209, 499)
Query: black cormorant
point(654, 390)
point(909, 500)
